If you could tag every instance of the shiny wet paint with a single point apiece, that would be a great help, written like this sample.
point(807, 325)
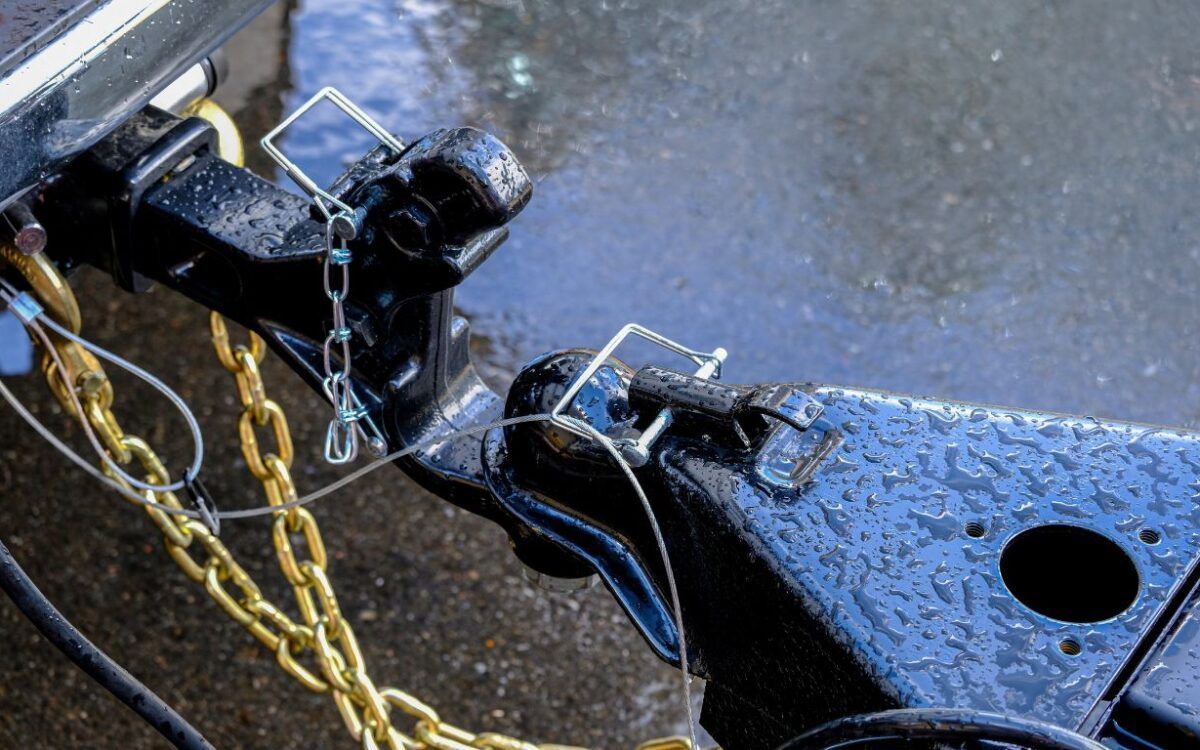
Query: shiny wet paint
point(983, 202)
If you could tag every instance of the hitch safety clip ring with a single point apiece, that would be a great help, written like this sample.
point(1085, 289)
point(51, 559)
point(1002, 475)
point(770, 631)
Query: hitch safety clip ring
point(320, 196)
point(637, 452)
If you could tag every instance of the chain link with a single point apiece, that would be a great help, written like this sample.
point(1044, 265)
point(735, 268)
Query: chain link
point(341, 437)
point(326, 634)
point(321, 651)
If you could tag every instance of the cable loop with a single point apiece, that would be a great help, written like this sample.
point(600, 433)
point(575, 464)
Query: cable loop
point(98, 423)
point(326, 632)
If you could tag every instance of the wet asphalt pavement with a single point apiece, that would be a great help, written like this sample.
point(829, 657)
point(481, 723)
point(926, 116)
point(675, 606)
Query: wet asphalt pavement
point(983, 201)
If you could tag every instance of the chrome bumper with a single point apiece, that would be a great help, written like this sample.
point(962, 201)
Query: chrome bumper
point(102, 66)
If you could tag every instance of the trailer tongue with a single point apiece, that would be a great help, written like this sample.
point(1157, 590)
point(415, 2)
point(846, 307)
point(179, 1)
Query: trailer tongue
point(810, 551)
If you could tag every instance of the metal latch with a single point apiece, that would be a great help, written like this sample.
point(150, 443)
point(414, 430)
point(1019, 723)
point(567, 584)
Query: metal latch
point(637, 451)
point(744, 410)
point(329, 205)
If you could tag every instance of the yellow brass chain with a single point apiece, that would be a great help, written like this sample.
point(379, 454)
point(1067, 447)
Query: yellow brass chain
point(325, 636)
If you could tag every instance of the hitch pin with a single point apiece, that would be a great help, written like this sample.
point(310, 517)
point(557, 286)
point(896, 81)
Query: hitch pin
point(329, 205)
point(637, 452)
point(28, 234)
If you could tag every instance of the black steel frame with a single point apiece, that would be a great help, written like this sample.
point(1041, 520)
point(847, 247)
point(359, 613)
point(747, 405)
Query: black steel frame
point(828, 559)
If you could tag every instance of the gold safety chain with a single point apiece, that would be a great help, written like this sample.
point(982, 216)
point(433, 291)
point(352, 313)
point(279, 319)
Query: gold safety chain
point(325, 636)
point(365, 708)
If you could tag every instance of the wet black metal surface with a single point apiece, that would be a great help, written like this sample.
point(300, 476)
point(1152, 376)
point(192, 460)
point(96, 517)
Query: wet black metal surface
point(897, 552)
point(895, 547)
point(1161, 706)
point(991, 202)
point(95, 65)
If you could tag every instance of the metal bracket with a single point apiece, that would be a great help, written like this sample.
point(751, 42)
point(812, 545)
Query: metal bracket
point(637, 452)
point(203, 501)
point(320, 195)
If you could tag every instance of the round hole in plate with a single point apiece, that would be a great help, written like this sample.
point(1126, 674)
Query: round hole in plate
point(975, 530)
point(1070, 647)
point(1149, 536)
point(1069, 573)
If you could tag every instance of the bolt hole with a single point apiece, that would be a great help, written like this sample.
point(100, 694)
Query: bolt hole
point(1069, 573)
point(1070, 647)
point(1149, 536)
point(975, 530)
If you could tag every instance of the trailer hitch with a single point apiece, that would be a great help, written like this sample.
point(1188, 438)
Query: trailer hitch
point(180, 216)
point(838, 550)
